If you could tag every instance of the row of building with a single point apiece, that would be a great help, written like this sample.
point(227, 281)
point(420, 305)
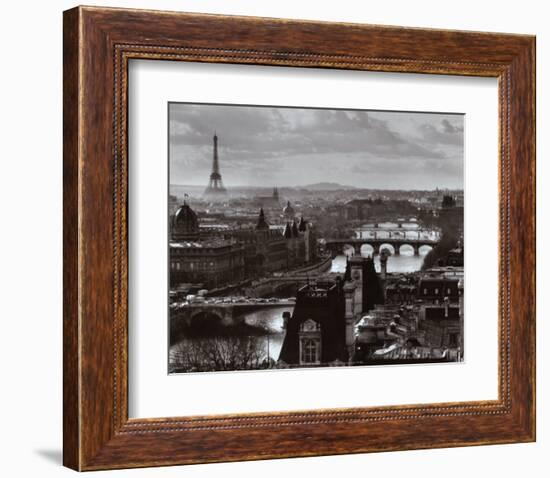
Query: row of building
point(218, 255)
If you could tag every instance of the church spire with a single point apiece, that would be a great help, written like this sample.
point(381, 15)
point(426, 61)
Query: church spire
point(262, 223)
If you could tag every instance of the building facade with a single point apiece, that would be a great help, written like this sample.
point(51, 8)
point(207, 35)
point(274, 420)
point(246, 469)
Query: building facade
point(217, 256)
point(316, 331)
point(213, 263)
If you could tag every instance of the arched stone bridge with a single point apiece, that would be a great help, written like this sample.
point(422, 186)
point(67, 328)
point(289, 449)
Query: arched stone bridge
point(336, 246)
point(396, 219)
point(408, 231)
point(229, 313)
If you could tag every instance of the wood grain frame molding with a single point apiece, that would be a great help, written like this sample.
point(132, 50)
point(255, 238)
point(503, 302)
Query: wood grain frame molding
point(98, 44)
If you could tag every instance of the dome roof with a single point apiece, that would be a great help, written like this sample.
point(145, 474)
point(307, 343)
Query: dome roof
point(288, 209)
point(185, 220)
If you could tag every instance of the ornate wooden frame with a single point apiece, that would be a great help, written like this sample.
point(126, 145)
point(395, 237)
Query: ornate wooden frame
point(98, 42)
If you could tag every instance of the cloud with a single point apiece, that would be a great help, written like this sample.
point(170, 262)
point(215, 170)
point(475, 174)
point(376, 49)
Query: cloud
point(280, 145)
point(451, 128)
point(443, 132)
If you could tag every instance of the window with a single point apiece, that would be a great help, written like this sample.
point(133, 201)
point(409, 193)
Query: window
point(310, 351)
point(436, 291)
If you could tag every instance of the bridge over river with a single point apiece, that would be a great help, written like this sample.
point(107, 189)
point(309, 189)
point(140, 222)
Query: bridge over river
point(229, 312)
point(337, 246)
point(392, 236)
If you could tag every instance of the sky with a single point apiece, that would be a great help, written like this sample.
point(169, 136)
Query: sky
point(277, 146)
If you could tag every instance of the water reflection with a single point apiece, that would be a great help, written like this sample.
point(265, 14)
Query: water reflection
point(405, 262)
point(272, 320)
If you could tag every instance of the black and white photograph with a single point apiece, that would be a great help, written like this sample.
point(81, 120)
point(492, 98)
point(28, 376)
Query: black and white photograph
point(314, 237)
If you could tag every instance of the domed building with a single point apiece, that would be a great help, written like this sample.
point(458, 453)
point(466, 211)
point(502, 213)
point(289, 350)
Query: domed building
point(213, 257)
point(185, 224)
point(205, 259)
point(288, 211)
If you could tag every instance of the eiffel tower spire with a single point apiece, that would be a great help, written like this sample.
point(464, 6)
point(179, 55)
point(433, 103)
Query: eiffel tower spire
point(215, 186)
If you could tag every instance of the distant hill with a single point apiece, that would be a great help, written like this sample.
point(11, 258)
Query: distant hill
point(326, 187)
point(180, 189)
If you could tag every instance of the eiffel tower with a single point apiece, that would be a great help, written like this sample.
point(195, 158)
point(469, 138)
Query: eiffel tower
point(215, 188)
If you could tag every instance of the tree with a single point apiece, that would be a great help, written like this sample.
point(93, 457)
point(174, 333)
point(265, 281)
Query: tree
point(448, 241)
point(218, 353)
point(208, 345)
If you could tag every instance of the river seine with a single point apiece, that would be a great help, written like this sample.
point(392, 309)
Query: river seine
point(406, 261)
point(272, 318)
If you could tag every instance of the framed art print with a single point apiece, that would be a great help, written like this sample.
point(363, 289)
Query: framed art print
point(318, 241)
